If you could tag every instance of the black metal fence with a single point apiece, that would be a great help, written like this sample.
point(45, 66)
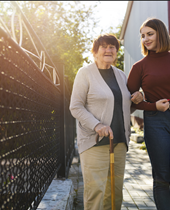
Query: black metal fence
point(36, 129)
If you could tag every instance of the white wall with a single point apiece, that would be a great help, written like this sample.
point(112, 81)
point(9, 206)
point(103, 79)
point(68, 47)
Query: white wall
point(141, 10)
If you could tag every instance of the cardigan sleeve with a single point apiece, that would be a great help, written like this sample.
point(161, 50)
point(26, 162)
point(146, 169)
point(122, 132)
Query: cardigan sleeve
point(134, 83)
point(78, 101)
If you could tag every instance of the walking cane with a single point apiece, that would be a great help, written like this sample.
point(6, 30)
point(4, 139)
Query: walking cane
point(112, 177)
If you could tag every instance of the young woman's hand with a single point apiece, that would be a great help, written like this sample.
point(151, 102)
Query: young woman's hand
point(103, 130)
point(137, 97)
point(162, 105)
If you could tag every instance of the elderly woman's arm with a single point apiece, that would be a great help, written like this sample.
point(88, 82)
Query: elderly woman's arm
point(78, 101)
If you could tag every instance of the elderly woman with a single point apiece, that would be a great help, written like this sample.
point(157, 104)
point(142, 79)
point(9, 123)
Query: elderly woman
point(101, 103)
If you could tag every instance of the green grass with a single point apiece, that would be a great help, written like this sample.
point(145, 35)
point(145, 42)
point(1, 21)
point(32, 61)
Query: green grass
point(143, 147)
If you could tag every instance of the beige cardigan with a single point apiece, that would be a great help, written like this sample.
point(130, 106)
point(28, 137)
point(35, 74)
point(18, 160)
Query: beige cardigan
point(92, 102)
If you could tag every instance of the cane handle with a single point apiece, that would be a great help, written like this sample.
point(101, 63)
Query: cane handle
point(97, 138)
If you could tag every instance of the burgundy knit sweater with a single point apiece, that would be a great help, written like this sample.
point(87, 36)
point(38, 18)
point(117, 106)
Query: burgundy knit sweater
point(152, 74)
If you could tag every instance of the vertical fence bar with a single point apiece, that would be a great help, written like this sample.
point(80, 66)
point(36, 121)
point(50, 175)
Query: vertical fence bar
point(62, 171)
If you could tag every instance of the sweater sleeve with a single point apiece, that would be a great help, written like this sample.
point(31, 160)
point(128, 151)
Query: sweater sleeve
point(78, 101)
point(134, 83)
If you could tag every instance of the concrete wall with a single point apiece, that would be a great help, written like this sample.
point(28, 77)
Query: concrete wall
point(141, 10)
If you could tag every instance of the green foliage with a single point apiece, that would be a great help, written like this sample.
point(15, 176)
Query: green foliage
point(143, 147)
point(120, 54)
point(138, 131)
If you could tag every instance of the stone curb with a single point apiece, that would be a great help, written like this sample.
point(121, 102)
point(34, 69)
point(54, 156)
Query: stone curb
point(59, 196)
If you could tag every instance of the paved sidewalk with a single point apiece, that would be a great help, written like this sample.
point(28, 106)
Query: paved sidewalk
point(137, 184)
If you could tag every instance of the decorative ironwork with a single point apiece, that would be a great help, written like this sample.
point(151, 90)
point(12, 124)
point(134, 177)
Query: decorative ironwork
point(36, 128)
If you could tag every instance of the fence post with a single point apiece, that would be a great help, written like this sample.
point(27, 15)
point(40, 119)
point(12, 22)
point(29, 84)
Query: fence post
point(62, 171)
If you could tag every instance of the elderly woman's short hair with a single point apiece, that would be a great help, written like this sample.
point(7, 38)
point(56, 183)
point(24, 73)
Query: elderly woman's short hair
point(104, 39)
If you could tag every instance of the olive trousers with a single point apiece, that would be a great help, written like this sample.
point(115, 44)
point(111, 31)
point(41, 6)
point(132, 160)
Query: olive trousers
point(95, 165)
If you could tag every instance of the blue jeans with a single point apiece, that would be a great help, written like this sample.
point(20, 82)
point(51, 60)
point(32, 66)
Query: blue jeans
point(157, 139)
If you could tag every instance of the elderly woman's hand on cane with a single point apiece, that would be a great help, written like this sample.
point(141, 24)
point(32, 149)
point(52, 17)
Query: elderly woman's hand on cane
point(104, 130)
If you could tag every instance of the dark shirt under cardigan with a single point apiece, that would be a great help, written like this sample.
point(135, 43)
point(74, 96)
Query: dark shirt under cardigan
point(117, 124)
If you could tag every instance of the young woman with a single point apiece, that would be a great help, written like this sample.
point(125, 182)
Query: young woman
point(152, 74)
point(101, 103)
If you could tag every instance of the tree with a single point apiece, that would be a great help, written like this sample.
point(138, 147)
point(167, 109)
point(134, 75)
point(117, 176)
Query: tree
point(120, 54)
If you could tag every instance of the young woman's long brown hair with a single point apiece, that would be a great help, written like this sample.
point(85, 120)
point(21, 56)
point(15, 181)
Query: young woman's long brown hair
point(163, 39)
